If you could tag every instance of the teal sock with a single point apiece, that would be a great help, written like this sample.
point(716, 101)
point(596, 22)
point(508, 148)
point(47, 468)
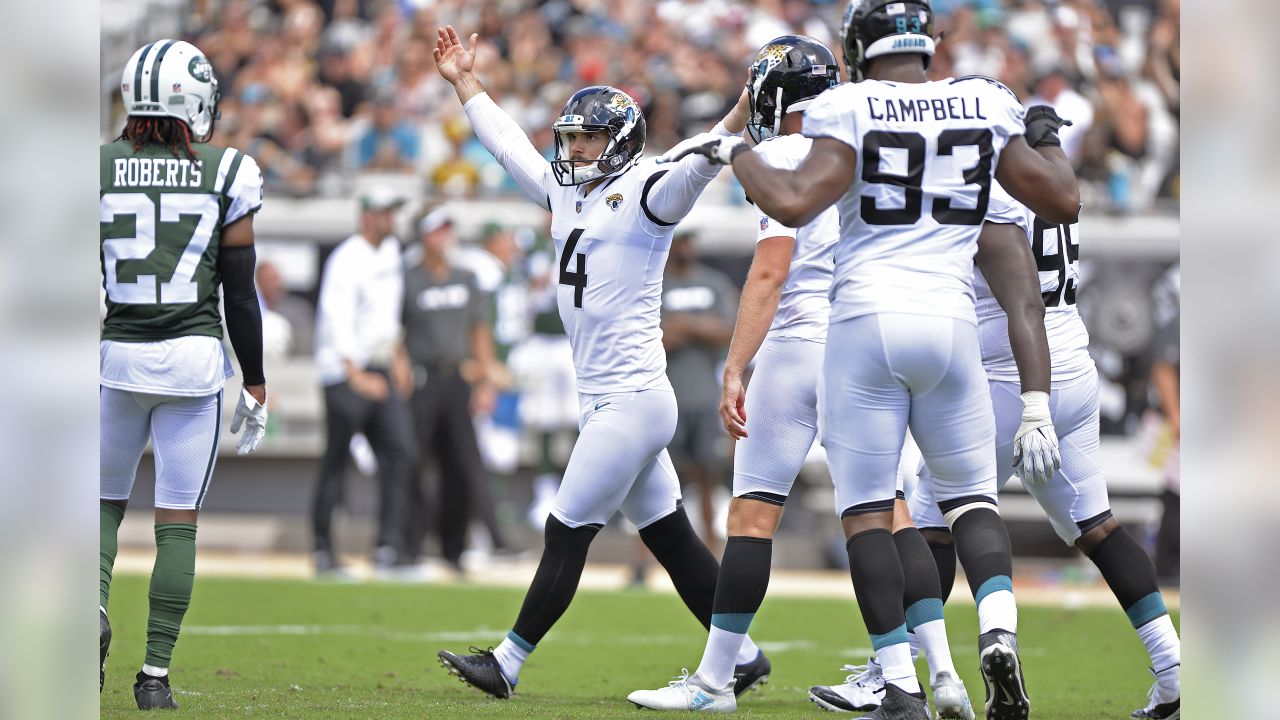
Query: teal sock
point(171, 583)
point(109, 518)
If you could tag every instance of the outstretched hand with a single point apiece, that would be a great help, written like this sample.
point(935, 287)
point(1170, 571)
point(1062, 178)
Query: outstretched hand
point(453, 59)
point(718, 149)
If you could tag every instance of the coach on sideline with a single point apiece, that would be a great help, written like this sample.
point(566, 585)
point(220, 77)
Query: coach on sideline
point(365, 372)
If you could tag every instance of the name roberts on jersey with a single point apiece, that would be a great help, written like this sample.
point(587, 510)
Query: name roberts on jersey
point(158, 172)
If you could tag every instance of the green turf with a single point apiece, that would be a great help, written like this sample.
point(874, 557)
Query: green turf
point(285, 649)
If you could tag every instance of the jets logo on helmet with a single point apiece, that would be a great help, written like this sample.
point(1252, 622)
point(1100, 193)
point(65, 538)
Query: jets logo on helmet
point(787, 74)
point(598, 108)
point(180, 68)
point(872, 28)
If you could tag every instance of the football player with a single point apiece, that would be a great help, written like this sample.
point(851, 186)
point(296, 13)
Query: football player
point(176, 222)
point(612, 218)
point(910, 163)
point(782, 320)
point(1075, 498)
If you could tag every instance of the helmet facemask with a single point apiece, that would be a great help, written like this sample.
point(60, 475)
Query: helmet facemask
point(577, 172)
point(598, 108)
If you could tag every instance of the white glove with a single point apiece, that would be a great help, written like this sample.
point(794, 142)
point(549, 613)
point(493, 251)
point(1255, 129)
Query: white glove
point(718, 149)
point(1035, 447)
point(254, 417)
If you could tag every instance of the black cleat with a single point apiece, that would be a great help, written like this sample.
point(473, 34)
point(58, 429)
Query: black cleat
point(1007, 697)
point(751, 675)
point(153, 693)
point(898, 704)
point(480, 670)
point(104, 642)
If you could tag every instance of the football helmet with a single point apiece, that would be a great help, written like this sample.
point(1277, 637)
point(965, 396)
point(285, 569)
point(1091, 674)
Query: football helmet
point(872, 28)
point(787, 74)
point(172, 78)
point(599, 108)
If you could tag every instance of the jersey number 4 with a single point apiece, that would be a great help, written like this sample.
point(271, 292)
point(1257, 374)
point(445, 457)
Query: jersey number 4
point(180, 287)
point(876, 142)
point(577, 278)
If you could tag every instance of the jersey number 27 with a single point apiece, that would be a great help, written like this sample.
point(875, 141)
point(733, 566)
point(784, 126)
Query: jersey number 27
point(180, 287)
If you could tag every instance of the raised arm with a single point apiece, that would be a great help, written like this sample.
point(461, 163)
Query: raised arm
point(1034, 169)
point(499, 134)
point(674, 191)
point(795, 197)
point(1005, 259)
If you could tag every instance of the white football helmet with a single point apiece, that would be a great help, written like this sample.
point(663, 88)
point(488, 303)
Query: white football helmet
point(172, 78)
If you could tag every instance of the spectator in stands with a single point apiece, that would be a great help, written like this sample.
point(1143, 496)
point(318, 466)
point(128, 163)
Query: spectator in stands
point(390, 144)
point(297, 314)
point(699, 305)
point(366, 375)
point(450, 345)
point(335, 73)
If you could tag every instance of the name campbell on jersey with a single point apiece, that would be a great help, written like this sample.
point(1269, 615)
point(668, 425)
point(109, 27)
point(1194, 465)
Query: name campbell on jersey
point(909, 223)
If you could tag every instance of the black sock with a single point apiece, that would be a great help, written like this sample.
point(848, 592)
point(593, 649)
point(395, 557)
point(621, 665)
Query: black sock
point(982, 544)
point(692, 567)
point(922, 590)
point(1131, 575)
point(944, 558)
point(743, 580)
point(878, 584)
point(556, 581)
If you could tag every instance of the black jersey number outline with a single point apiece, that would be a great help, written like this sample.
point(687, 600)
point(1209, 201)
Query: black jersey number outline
point(577, 278)
point(1068, 254)
point(914, 143)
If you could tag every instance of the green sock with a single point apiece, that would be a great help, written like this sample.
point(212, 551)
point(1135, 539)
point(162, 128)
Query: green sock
point(171, 581)
point(109, 517)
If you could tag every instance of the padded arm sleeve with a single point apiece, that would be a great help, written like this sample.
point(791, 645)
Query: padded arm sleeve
point(244, 315)
point(508, 144)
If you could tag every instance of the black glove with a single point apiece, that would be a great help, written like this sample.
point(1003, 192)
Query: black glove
point(1042, 126)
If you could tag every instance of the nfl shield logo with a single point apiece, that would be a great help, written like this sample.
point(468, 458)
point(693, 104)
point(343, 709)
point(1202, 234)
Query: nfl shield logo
point(177, 87)
point(578, 206)
point(764, 224)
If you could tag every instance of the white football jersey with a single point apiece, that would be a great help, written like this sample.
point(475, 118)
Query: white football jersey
point(909, 223)
point(1057, 252)
point(804, 305)
point(611, 247)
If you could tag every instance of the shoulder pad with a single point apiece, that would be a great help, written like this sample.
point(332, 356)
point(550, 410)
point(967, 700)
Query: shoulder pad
point(991, 80)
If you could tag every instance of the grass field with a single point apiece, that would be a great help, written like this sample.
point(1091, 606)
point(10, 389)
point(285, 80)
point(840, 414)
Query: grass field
point(294, 649)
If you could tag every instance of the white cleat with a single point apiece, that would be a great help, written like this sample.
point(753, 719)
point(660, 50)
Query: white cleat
point(686, 693)
point(950, 699)
point(861, 691)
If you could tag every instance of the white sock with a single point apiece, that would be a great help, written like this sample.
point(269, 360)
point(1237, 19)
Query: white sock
point(914, 641)
point(1162, 643)
point(933, 638)
point(748, 651)
point(998, 611)
point(511, 658)
point(895, 660)
point(155, 671)
point(719, 657)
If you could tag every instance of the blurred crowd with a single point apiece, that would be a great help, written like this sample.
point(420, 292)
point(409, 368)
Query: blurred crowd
point(322, 90)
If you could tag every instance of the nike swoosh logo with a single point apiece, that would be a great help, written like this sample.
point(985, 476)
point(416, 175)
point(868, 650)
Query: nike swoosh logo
point(1001, 691)
point(600, 405)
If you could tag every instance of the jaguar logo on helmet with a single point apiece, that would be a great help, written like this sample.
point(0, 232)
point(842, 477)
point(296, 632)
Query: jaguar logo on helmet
point(786, 75)
point(589, 113)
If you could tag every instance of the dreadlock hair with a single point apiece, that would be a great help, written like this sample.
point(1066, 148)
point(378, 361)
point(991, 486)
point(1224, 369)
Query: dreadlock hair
point(167, 132)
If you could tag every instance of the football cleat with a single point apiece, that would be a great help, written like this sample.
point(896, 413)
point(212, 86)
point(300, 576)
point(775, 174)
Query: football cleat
point(153, 693)
point(1002, 673)
point(898, 704)
point(686, 693)
point(480, 670)
point(861, 691)
point(1164, 700)
point(104, 642)
point(950, 700)
point(751, 675)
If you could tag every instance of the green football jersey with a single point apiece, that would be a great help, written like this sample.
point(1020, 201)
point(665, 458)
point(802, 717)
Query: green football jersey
point(161, 220)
